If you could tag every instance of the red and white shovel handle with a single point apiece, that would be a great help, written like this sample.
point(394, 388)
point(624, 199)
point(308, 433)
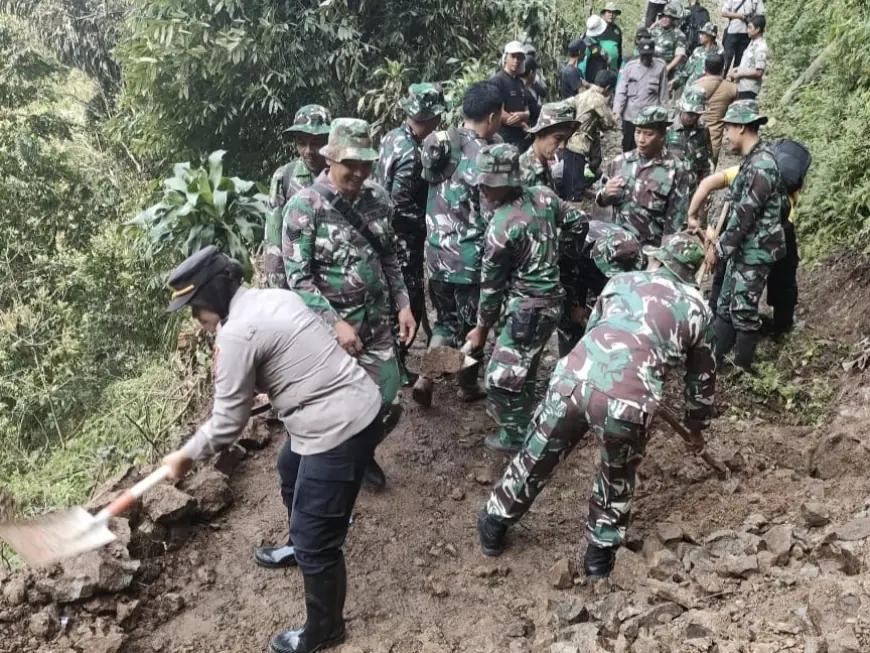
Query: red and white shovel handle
point(129, 497)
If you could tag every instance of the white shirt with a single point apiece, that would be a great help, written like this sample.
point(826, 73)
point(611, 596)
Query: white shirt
point(754, 58)
point(748, 7)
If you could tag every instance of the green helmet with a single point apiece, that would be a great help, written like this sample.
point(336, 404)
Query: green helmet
point(349, 139)
point(424, 101)
point(744, 112)
point(496, 165)
point(651, 117)
point(310, 119)
point(617, 251)
point(694, 100)
point(680, 253)
point(552, 114)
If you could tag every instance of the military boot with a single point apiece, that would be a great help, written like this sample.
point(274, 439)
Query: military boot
point(725, 338)
point(598, 561)
point(422, 391)
point(374, 476)
point(470, 388)
point(494, 442)
point(324, 603)
point(491, 533)
point(744, 350)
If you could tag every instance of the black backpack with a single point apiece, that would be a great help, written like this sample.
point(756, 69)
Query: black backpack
point(793, 161)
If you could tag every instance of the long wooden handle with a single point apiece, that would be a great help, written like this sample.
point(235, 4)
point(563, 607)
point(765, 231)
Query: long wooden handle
point(129, 497)
point(705, 268)
point(683, 432)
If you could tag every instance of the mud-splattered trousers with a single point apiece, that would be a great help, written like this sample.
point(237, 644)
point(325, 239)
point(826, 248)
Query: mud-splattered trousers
point(741, 292)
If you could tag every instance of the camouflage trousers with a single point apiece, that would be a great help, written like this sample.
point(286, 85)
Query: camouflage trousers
point(273, 258)
point(455, 307)
point(382, 367)
point(741, 293)
point(513, 367)
point(568, 411)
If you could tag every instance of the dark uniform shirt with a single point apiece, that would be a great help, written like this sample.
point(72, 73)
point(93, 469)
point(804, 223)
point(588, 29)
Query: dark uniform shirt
point(571, 81)
point(513, 95)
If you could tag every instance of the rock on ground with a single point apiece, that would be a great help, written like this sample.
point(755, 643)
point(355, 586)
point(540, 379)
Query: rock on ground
point(212, 491)
point(166, 504)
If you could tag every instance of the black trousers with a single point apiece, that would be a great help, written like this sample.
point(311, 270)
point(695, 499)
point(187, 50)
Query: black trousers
point(718, 280)
point(733, 46)
point(320, 491)
point(628, 143)
point(746, 95)
point(782, 289)
point(573, 179)
point(652, 12)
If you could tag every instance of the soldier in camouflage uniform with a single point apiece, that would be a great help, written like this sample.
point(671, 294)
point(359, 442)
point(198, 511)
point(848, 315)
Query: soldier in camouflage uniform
point(644, 325)
point(455, 228)
point(400, 172)
point(310, 130)
point(690, 139)
point(607, 251)
point(671, 44)
point(752, 239)
point(694, 69)
point(648, 188)
point(340, 256)
point(520, 268)
point(553, 129)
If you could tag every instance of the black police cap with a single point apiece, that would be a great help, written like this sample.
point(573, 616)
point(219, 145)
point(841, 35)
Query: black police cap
point(646, 46)
point(577, 45)
point(197, 270)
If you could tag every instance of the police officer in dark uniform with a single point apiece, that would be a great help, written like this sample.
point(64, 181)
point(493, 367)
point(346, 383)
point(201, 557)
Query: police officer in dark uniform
point(269, 341)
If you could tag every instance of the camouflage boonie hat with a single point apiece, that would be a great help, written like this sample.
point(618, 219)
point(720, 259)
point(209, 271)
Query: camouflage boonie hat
point(651, 116)
point(744, 112)
point(496, 165)
point(424, 102)
point(611, 6)
point(349, 140)
point(710, 30)
point(553, 114)
point(680, 253)
point(310, 119)
point(440, 155)
point(617, 252)
point(694, 100)
point(672, 10)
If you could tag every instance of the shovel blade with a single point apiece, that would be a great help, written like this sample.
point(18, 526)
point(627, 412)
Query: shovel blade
point(445, 360)
point(55, 536)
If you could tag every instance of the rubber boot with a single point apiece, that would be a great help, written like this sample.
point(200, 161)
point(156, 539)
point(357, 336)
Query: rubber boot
point(374, 476)
point(491, 534)
point(744, 349)
point(470, 389)
point(324, 626)
point(598, 561)
point(783, 319)
point(422, 391)
point(725, 338)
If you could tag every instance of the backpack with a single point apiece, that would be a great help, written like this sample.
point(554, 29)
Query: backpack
point(793, 161)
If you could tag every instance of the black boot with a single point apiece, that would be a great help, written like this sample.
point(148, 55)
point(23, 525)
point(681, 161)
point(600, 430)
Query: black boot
point(491, 534)
point(598, 561)
point(374, 476)
point(324, 626)
point(275, 557)
point(744, 350)
point(725, 338)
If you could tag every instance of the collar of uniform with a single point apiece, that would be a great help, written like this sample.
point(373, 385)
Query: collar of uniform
point(411, 134)
point(301, 170)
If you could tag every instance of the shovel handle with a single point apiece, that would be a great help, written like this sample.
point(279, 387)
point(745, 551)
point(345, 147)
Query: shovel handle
point(129, 497)
point(713, 463)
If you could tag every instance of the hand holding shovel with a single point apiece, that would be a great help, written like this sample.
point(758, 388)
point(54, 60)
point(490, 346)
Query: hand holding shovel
point(716, 465)
point(447, 360)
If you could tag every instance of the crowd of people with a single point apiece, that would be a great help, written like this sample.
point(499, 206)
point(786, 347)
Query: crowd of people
point(479, 216)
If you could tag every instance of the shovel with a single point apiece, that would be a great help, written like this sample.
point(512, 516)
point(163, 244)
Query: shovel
point(67, 533)
point(717, 465)
point(446, 360)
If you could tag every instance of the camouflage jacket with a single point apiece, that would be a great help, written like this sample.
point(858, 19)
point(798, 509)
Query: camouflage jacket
point(693, 69)
point(655, 199)
point(454, 222)
point(334, 268)
point(521, 252)
point(753, 233)
point(694, 147)
point(643, 325)
point(580, 276)
point(669, 42)
point(399, 172)
point(533, 172)
point(300, 178)
point(594, 115)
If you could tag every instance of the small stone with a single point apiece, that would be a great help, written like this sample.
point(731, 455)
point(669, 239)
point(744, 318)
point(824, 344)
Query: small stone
point(45, 624)
point(229, 459)
point(737, 566)
point(519, 628)
point(212, 492)
point(585, 636)
point(483, 572)
point(173, 602)
point(843, 641)
point(815, 645)
point(857, 529)
point(573, 611)
point(644, 644)
point(457, 494)
point(779, 540)
point(664, 565)
point(660, 614)
point(166, 504)
point(15, 592)
point(815, 514)
point(256, 435)
point(754, 523)
point(435, 588)
point(450, 550)
point(810, 572)
point(669, 533)
point(205, 575)
point(765, 561)
point(561, 574)
point(722, 543)
point(483, 476)
point(128, 612)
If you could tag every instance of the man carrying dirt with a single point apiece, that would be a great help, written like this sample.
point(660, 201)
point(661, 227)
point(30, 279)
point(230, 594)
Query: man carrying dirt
point(329, 406)
point(753, 238)
point(455, 229)
point(520, 267)
point(647, 187)
point(340, 256)
point(309, 130)
point(644, 324)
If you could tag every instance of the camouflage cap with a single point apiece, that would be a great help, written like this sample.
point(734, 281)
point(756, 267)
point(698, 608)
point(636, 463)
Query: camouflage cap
point(694, 100)
point(424, 102)
point(310, 119)
point(611, 6)
point(553, 114)
point(710, 30)
point(496, 165)
point(744, 112)
point(349, 140)
point(680, 253)
point(652, 116)
point(617, 251)
point(672, 10)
